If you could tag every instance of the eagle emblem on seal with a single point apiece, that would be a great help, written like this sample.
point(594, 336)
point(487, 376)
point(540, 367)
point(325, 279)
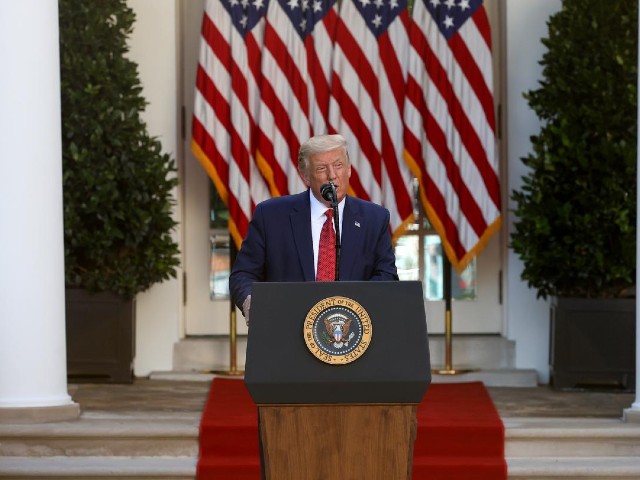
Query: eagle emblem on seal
point(337, 327)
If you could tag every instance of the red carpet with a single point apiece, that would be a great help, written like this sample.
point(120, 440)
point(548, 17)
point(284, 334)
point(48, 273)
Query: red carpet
point(460, 435)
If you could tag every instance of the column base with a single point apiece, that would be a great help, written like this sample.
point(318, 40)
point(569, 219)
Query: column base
point(22, 415)
point(632, 414)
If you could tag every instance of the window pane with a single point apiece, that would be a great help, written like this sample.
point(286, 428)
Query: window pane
point(433, 281)
point(219, 271)
point(463, 286)
point(218, 212)
point(407, 256)
point(218, 247)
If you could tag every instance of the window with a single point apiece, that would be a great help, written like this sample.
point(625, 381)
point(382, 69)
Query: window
point(419, 256)
point(219, 243)
point(220, 266)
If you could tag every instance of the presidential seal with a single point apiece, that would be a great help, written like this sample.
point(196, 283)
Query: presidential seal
point(337, 330)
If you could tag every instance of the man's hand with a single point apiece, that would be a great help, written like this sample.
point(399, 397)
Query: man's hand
point(246, 306)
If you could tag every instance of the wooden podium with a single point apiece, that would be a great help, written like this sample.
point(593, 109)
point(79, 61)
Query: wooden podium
point(347, 421)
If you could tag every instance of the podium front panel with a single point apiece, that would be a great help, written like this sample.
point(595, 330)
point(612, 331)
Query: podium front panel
point(395, 368)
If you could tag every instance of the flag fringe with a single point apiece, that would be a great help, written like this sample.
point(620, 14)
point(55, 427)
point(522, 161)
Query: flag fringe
point(459, 264)
point(220, 187)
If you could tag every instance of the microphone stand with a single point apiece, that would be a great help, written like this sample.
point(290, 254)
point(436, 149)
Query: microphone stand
point(336, 221)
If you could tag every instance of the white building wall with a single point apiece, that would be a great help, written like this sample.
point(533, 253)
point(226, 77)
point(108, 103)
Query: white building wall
point(154, 46)
point(527, 317)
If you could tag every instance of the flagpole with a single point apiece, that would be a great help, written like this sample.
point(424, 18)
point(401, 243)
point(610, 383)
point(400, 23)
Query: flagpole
point(448, 324)
point(233, 370)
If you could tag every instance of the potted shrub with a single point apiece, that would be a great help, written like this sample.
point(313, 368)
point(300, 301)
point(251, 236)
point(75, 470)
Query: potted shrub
point(575, 227)
point(117, 190)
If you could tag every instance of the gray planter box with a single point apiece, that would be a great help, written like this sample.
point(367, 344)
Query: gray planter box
point(100, 336)
point(593, 343)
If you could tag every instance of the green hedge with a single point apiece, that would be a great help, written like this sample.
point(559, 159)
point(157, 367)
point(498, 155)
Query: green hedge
point(575, 229)
point(117, 182)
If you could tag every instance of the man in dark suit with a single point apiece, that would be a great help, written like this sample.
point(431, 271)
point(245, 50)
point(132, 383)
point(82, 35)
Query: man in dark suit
point(282, 244)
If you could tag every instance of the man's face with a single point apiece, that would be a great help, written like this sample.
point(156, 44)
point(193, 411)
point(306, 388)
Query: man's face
point(322, 167)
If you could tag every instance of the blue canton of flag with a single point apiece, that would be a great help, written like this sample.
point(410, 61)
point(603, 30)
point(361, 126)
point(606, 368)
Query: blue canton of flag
point(304, 14)
point(378, 14)
point(245, 14)
point(450, 15)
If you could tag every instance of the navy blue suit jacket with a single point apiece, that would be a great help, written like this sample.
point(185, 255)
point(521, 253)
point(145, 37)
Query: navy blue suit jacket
point(279, 248)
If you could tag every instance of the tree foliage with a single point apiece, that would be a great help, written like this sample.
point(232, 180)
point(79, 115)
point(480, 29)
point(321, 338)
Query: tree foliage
point(117, 182)
point(576, 212)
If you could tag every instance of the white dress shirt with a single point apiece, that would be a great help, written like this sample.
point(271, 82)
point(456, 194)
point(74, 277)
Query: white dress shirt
point(318, 218)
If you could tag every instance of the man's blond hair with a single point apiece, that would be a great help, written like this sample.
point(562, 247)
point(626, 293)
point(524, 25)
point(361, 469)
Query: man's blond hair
point(319, 144)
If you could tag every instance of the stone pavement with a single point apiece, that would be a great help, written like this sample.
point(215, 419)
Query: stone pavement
point(149, 430)
point(189, 396)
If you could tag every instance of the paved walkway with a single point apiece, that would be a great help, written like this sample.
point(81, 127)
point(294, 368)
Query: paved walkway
point(189, 396)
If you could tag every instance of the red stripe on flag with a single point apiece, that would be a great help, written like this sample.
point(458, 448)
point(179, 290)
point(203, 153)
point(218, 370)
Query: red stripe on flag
point(278, 49)
point(474, 76)
point(227, 82)
point(283, 124)
point(351, 116)
point(394, 71)
point(468, 205)
point(216, 42)
point(482, 23)
point(392, 66)
point(206, 144)
point(271, 169)
point(321, 83)
point(468, 134)
point(356, 186)
point(465, 210)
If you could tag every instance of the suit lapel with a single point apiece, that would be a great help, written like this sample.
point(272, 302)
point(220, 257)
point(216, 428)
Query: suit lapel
point(351, 238)
point(300, 219)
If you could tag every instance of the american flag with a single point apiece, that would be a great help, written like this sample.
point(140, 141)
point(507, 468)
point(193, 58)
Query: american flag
point(368, 87)
point(450, 124)
point(226, 105)
point(296, 69)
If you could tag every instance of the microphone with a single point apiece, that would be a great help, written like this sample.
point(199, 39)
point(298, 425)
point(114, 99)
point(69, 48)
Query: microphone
point(328, 192)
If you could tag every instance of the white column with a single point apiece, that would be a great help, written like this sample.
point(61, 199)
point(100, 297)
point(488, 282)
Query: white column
point(33, 376)
point(633, 413)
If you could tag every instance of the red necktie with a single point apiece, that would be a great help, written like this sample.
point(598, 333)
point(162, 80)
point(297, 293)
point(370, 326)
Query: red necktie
point(327, 251)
